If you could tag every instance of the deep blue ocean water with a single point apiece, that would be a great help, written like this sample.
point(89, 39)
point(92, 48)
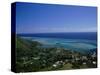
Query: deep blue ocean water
point(74, 41)
point(70, 35)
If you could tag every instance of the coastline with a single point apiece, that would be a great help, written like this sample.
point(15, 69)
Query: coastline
point(30, 57)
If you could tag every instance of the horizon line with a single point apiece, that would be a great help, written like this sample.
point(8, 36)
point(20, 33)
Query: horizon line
point(57, 32)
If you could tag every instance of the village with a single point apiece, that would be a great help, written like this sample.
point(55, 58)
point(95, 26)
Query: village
point(31, 57)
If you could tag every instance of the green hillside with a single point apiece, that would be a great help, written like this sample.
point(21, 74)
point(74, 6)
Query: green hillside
point(30, 56)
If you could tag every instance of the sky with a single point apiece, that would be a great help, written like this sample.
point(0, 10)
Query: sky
point(48, 18)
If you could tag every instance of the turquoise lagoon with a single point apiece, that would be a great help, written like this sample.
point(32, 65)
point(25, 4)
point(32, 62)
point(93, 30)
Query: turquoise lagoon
point(80, 45)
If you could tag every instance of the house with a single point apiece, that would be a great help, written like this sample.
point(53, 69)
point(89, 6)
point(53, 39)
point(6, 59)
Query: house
point(94, 62)
point(84, 58)
point(84, 63)
point(54, 65)
point(93, 55)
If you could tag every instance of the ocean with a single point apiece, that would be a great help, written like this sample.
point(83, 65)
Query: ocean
point(80, 41)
